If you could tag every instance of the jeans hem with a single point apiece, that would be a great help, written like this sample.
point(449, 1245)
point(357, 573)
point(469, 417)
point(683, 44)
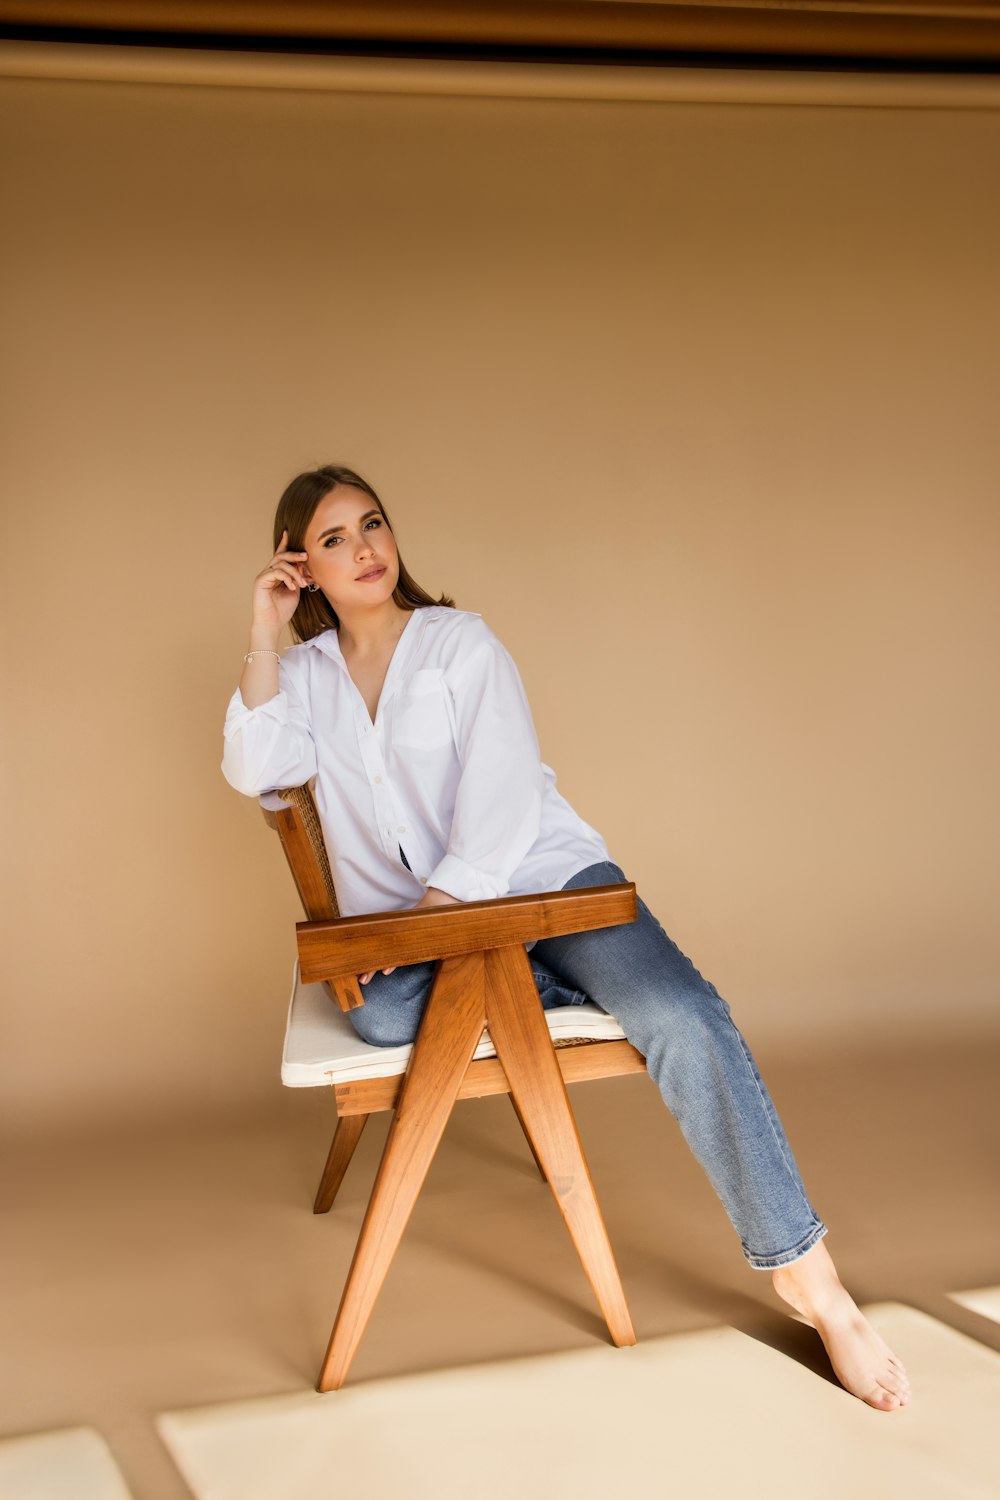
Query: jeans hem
point(786, 1257)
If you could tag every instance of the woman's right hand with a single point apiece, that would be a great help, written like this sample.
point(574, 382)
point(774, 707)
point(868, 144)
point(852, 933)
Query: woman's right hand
point(276, 587)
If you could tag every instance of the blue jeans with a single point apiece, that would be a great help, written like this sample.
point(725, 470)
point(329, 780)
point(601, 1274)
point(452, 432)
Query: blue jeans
point(694, 1053)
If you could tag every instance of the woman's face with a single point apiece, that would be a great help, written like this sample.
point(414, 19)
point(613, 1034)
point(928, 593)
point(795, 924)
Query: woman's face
point(351, 553)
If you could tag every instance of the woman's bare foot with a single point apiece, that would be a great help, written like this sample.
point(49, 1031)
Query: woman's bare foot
point(862, 1361)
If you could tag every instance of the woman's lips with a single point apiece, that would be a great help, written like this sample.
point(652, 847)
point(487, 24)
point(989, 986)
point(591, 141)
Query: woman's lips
point(372, 576)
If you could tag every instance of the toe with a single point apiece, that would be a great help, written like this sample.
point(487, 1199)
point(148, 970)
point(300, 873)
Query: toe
point(885, 1400)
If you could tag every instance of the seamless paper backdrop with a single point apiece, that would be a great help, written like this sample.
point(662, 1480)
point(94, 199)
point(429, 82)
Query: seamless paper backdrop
point(695, 403)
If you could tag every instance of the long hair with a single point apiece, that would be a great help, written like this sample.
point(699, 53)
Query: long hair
point(296, 508)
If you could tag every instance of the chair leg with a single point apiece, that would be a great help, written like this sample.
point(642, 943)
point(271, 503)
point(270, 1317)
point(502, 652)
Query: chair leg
point(345, 1138)
point(523, 1044)
point(449, 1034)
point(527, 1135)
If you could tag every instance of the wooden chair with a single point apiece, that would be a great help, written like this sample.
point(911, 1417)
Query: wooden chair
point(483, 1001)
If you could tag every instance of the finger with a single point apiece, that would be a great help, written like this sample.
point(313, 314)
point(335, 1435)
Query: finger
point(390, 971)
point(288, 560)
point(280, 547)
point(295, 569)
point(284, 573)
point(364, 978)
point(281, 544)
point(275, 580)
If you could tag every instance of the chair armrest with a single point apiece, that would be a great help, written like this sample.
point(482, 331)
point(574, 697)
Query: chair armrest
point(353, 945)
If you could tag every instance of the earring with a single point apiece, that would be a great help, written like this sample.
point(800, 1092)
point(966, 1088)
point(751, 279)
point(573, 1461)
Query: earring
point(313, 587)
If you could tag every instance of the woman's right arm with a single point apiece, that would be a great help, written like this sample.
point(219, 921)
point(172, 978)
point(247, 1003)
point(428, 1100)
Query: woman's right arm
point(268, 740)
point(275, 599)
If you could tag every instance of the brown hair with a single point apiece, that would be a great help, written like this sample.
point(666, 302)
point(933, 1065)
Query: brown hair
point(296, 508)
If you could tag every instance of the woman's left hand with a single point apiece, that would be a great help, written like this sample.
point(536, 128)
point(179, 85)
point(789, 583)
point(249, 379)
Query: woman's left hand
point(431, 897)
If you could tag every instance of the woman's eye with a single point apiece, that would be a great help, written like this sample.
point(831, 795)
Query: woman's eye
point(375, 521)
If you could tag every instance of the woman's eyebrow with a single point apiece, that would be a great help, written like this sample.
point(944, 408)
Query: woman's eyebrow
point(331, 529)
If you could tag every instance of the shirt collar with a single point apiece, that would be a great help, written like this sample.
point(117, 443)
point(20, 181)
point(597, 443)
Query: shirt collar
point(328, 642)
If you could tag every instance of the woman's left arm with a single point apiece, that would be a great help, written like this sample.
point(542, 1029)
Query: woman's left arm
point(498, 802)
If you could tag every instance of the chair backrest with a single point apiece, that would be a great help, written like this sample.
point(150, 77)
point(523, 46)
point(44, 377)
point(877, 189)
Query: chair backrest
point(291, 812)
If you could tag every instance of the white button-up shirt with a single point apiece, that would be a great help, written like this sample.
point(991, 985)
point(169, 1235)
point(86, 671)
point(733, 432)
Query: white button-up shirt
point(449, 772)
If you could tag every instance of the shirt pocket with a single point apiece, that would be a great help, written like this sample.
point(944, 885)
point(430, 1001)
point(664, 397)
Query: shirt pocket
point(423, 712)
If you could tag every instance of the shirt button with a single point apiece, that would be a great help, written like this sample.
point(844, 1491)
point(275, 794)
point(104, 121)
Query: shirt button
point(378, 779)
point(423, 880)
point(401, 828)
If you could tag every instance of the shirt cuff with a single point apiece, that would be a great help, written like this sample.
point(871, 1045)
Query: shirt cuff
point(238, 714)
point(464, 881)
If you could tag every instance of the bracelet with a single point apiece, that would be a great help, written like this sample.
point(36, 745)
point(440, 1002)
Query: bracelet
point(251, 654)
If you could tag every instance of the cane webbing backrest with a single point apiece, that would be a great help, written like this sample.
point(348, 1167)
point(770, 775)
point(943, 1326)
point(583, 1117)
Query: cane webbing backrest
point(301, 836)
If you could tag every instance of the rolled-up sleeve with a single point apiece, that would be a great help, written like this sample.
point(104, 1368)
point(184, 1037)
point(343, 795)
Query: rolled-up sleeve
point(498, 802)
point(269, 746)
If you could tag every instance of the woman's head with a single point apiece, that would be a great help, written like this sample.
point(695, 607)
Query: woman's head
point(336, 518)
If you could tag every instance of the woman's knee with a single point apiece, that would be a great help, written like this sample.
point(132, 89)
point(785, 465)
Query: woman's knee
point(604, 872)
point(394, 1006)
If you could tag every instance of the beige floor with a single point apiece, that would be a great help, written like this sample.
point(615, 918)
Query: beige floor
point(153, 1275)
point(600, 1421)
point(74, 1463)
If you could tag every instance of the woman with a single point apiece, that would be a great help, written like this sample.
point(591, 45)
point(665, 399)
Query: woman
point(411, 717)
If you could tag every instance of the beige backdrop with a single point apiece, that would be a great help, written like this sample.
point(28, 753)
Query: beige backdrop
point(693, 400)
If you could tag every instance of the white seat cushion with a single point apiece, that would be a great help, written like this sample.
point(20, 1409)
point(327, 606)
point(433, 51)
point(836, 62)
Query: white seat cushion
point(322, 1047)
